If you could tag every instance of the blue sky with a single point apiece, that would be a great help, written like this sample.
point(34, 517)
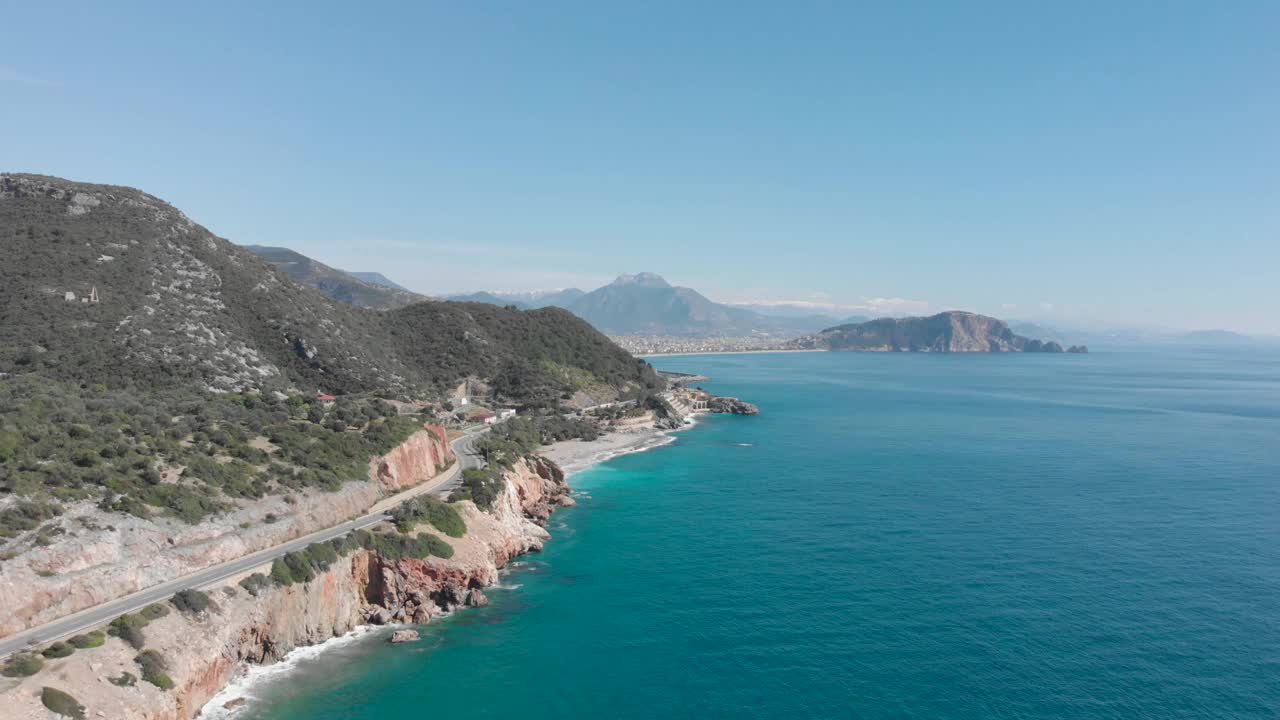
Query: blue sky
point(1108, 161)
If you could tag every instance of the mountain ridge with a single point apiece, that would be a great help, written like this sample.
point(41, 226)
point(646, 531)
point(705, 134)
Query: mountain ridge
point(950, 331)
point(646, 304)
point(338, 284)
point(108, 284)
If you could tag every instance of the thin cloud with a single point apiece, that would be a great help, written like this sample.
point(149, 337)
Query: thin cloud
point(896, 306)
point(885, 306)
point(16, 77)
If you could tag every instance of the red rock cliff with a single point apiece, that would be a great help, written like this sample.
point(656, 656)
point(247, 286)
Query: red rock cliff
point(423, 456)
point(206, 652)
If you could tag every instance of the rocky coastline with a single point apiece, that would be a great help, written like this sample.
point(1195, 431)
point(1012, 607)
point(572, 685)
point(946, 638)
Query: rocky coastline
point(205, 651)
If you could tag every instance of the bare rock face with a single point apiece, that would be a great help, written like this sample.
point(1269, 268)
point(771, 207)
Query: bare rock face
point(422, 456)
point(403, 636)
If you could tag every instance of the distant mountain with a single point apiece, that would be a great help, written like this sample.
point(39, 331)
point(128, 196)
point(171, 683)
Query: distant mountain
point(377, 278)
point(102, 284)
point(646, 304)
point(1137, 337)
point(488, 298)
point(556, 298)
point(526, 300)
point(801, 318)
point(1044, 332)
point(952, 331)
point(337, 284)
point(1216, 337)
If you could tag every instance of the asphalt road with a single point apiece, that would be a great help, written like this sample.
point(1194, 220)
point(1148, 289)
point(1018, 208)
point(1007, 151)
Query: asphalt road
point(98, 615)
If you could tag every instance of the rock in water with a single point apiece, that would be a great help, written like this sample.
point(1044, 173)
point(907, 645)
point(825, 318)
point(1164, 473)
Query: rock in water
point(404, 636)
point(731, 405)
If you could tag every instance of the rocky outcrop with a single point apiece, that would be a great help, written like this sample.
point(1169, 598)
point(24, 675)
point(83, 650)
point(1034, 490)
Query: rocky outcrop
point(105, 556)
point(731, 405)
point(403, 636)
point(205, 652)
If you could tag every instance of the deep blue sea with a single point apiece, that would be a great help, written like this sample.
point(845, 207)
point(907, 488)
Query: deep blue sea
point(896, 536)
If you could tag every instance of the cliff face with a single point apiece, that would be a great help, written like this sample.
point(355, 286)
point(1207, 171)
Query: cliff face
point(205, 652)
point(945, 332)
point(424, 455)
point(107, 556)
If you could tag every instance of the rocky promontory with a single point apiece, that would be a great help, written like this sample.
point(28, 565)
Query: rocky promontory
point(731, 406)
point(952, 331)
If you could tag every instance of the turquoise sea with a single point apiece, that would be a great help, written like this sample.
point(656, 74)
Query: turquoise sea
point(896, 536)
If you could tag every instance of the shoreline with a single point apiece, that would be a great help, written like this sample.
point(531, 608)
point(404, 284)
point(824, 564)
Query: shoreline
point(572, 456)
point(238, 695)
point(575, 456)
point(730, 352)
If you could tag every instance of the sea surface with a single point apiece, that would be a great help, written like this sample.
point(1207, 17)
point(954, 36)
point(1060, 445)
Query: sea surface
point(896, 536)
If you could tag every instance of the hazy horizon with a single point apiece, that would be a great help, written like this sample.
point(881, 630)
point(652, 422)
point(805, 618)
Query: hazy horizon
point(1082, 164)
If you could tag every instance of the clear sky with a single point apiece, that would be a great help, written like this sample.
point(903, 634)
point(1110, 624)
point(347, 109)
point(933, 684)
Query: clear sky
point(1071, 160)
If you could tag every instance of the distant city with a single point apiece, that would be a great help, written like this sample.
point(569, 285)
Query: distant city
point(674, 345)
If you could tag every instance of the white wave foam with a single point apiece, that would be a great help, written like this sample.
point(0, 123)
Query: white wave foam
point(249, 683)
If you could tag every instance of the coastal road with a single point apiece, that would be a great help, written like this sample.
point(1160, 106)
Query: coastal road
point(89, 618)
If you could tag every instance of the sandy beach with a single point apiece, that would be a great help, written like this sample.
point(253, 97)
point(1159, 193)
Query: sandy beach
point(574, 456)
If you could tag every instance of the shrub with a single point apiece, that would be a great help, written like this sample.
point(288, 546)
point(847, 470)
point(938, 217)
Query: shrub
point(321, 555)
point(89, 640)
point(435, 546)
point(126, 679)
point(190, 601)
point(479, 485)
point(58, 650)
point(61, 703)
point(440, 515)
point(394, 546)
point(154, 611)
point(154, 669)
point(128, 627)
point(22, 665)
point(25, 515)
point(133, 635)
point(280, 573)
point(255, 582)
point(300, 567)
